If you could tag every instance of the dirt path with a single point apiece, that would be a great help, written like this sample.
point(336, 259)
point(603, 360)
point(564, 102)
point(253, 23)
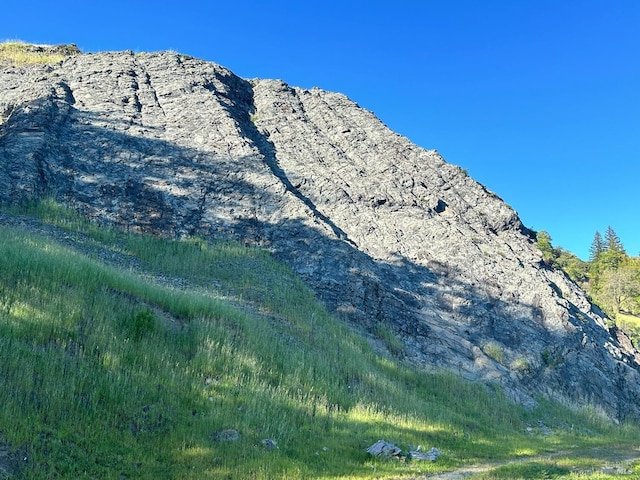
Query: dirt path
point(463, 472)
point(615, 461)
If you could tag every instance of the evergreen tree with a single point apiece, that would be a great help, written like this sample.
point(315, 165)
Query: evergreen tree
point(613, 242)
point(613, 255)
point(597, 247)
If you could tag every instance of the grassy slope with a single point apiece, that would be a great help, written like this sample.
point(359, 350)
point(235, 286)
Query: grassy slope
point(107, 371)
point(630, 324)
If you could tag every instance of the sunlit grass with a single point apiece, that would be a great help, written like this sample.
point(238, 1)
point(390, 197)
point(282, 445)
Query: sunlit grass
point(628, 320)
point(20, 53)
point(563, 469)
point(107, 372)
point(630, 324)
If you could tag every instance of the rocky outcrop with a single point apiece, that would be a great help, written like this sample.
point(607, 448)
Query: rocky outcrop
point(387, 233)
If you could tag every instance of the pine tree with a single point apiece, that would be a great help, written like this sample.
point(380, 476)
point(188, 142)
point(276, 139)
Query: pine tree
point(614, 254)
point(613, 242)
point(597, 247)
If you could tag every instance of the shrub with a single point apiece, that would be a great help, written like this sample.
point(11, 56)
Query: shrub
point(550, 358)
point(493, 350)
point(142, 324)
point(521, 365)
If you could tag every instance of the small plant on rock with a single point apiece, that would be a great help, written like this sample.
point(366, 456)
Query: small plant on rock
point(494, 351)
point(522, 365)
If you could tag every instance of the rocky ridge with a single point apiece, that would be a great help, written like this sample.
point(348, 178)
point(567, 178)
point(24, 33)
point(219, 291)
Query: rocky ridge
point(386, 233)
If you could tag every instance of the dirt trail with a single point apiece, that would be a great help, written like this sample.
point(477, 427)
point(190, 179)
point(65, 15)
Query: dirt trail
point(615, 461)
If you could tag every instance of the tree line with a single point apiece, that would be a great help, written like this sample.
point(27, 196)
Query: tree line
point(610, 277)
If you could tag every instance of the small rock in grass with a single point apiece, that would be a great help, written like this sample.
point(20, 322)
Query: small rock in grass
point(269, 443)
point(228, 435)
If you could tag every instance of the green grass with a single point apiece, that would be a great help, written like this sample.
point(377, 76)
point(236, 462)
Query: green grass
point(574, 468)
point(109, 372)
point(628, 320)
point(630, 324)
point(529, 470)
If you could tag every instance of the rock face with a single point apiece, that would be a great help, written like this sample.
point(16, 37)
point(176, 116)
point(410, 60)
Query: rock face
point(385, 232)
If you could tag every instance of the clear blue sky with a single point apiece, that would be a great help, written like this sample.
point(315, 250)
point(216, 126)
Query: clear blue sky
point(538, 100)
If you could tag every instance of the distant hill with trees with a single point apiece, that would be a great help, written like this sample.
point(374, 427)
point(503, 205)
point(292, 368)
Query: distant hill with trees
point(611, 277)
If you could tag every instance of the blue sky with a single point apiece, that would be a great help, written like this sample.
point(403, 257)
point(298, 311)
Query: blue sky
point(538, 100)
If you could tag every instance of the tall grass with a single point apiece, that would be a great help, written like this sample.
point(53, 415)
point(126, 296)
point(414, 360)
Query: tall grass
point(108, 372)
point(631, 325)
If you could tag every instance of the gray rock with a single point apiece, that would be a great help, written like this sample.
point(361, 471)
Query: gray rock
point(228, 435)
point(384, 231)
point(269, 443)
point(385, 449)
point(433, 454)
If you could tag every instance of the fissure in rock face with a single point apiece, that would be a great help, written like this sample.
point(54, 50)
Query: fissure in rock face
point(384, 231)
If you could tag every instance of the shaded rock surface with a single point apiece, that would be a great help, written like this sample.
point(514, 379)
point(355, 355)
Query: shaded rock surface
point(384, 231)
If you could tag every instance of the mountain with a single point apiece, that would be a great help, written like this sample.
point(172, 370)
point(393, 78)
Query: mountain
point(388, 235)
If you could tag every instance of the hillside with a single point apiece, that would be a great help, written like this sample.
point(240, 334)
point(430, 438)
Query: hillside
point(394, 242)
point(127, 356)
